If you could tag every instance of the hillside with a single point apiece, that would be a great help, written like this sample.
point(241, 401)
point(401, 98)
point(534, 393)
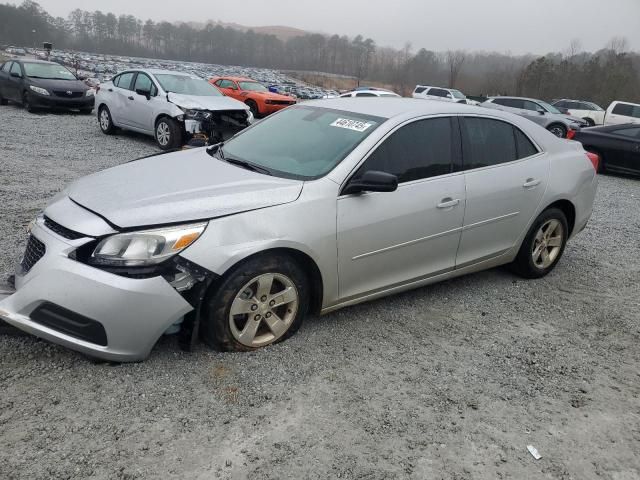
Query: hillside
point(280, 31)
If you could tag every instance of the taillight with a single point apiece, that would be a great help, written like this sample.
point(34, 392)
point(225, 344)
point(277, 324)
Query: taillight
point(595, 159)
point(571, 134)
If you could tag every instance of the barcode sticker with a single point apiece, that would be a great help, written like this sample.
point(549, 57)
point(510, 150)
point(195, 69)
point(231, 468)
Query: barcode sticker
point(355, 125)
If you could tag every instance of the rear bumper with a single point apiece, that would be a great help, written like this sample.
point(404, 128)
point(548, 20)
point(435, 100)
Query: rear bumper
point(53, 101)
point(87, 309)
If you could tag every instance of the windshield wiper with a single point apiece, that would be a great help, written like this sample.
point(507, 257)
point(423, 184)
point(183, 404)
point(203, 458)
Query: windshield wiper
point(217, 149)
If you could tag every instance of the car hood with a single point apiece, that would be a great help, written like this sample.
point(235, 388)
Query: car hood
point(573, 119)
point(272, 96)
point(209, 102)
point(72, 85)
point(178, 187)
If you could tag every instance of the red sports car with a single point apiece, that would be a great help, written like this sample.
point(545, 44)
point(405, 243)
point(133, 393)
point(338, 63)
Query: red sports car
point(260, 100)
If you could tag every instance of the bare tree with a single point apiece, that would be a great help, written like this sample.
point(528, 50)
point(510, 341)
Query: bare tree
point(454, 59)
point(618, 45)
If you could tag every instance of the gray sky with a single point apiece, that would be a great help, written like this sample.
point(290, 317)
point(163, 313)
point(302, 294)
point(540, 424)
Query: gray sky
point(516, 26)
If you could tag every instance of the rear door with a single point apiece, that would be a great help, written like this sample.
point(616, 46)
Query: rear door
point(392, 238)
point(121, 98)
point(505, 176)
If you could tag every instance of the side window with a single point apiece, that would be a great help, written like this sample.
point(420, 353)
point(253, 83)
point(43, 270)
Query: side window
point(229, 84)
point(487, 142)
point(584, 106)
point(366, 94)
point(532, 106)
point(437, 92)
point(636, 112)
point(346, 95)
point(419, 89)
point(561, 104)
point(422, 149)
point(143, 82)
point(6, 67)
point(623, 109)
point(15, 67)
point(524, 146)
point(124, 80)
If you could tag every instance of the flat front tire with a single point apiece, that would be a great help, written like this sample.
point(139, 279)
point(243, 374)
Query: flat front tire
point(543, 246)
point(260, 302)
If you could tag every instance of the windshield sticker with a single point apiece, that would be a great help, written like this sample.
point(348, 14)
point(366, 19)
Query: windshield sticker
point(355, 125)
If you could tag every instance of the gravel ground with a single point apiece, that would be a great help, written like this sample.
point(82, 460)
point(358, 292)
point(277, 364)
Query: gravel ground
point(452, 381)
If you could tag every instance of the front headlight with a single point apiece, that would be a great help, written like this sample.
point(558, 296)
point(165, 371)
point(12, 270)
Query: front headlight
point(39, 90)
point(147, 247)
point(193, 114)
point(90, 93)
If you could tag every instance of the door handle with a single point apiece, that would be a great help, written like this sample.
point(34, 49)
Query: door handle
point(110, 90)
point(130, 98)
point(531, 182)
point(448, 203)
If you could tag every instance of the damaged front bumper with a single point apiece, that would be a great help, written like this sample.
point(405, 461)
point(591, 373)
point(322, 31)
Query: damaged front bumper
point(215, 126)
point(90, 310)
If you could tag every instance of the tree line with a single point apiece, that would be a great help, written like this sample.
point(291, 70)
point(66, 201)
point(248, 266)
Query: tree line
point(610, 73)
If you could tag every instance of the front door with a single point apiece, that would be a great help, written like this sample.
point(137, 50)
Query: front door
point(505, 177)
point(141, 108)
point(387, 239)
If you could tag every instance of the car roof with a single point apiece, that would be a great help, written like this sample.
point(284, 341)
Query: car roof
point(377, 91)
point(390, 107)
point(159, 71)
point(33, 60)
point(519, 98)
point(235, 79)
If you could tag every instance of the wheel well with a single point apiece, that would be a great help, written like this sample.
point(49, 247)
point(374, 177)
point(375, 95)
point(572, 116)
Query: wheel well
point(556, 124)
point(160, 117)
point(308, 265)
point(569, 211)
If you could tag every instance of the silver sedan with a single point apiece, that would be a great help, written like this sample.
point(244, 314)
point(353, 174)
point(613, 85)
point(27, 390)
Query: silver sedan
point(323, 205)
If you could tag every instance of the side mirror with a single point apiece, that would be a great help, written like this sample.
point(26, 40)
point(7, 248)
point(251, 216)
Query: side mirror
point(372, 181)
point(16, 74)
point(144, 93)
point(541, 111)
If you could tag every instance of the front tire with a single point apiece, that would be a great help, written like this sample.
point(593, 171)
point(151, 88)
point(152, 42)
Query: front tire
point(253, 106)
point(260, 302)
point(558, 130)
point(26, 103)
point(105, 121)
point(543, 246)
point(590, 121)
point(168, 134)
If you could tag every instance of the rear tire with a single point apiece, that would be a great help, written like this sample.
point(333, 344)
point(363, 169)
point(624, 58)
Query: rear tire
point(270, 294)
point(558, 130)
point(105, 121)
point(168, 134)
point(543, 246)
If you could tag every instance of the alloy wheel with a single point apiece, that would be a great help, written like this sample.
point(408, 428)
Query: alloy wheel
point(163, 134)
point(547, 244)
point(558, 131)
point(104, 120)
point(263, 310)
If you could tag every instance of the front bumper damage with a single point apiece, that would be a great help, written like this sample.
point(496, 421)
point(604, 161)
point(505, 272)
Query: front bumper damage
point(100, 313)
point(204, 127)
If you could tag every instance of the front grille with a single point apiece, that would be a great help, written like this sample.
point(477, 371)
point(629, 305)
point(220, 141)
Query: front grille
point(67, 93)
point(34, 252)
point(62, 231)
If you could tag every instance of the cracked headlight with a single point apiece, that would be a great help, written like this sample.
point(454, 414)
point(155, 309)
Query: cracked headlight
point(41, 91)
point(146, 247)
point(196, 114)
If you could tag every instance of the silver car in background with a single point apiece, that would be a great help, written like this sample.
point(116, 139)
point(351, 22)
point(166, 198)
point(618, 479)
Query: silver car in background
point(173, 107)
point(322, 205)
point(540, 112)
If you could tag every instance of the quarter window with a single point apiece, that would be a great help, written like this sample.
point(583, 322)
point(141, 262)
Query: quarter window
point(6, 66)
point(422, 149)
point(523, 145)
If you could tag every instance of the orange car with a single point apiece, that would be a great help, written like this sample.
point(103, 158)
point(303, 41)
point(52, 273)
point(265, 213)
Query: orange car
point(258, 97)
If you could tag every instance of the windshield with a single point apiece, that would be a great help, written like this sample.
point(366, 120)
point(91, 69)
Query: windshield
point(50, 71)
point(458, 94)
point(187, 85)
point(253, 86)
point(597, 108)
point(301, 142)
point(549, 108)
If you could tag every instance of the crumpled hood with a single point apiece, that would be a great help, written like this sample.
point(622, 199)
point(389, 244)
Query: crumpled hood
point(178, 187)
point(208, 102)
